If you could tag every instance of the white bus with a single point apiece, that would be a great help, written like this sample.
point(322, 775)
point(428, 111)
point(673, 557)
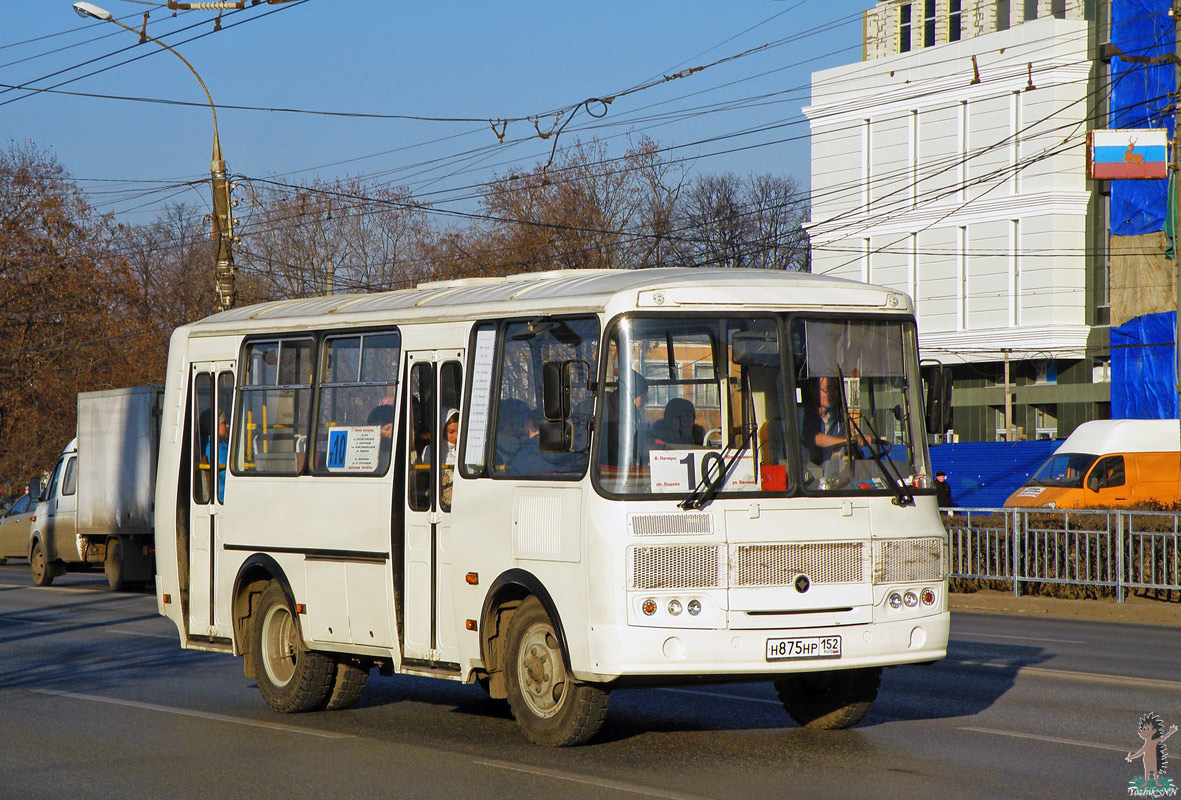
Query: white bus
point(657, 476)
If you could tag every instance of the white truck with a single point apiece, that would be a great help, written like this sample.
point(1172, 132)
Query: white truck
point(98, 507)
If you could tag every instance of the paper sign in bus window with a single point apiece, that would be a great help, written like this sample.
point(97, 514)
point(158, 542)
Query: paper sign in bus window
point(682, 470)
point(354, 449)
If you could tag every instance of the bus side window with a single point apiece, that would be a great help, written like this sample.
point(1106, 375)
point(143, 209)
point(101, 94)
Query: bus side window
point(450, 391)
point(421, 422)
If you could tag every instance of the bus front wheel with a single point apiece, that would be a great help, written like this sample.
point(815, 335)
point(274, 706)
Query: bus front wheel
point(829, 700)
point(290, 677)
point(550, 706)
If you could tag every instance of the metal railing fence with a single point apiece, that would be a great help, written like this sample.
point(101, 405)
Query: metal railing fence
point(1117, 550)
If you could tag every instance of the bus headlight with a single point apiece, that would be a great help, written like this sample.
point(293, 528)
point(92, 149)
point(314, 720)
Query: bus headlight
point(911, 599)
point(694, 608)
point(895, 600)
point(674, 607)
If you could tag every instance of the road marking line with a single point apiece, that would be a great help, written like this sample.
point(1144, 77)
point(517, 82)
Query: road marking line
point(1053, 739)
point(184, 712)
point(1022, 638)
point(723, 696)
point(169, 636)
point(1046, 672)
point(617, 786)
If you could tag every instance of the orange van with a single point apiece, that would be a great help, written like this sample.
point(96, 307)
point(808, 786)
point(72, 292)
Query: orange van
point(1108, 463)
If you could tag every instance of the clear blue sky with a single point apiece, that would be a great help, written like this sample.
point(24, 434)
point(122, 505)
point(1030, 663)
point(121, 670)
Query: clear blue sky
point(444, 58)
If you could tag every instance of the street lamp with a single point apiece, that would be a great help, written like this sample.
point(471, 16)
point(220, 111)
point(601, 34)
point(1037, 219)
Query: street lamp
point(223, 223)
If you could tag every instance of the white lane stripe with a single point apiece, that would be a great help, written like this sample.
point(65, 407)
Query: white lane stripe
point(615, 786)
point(184, 712)
point(723, 695)
point(1070, 675)
point(1054, 739)
point(169, 636)
point(1020, 638)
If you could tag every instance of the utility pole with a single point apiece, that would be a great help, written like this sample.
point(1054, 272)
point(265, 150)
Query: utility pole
point(223, 231)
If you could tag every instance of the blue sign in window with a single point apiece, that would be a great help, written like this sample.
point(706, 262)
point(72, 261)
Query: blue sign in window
point(338, 445)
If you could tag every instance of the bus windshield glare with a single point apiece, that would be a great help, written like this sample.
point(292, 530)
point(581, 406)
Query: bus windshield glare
point(720, 404)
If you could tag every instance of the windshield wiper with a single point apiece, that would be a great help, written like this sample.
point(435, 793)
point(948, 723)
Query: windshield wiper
point(902, 497)
point(708, 487)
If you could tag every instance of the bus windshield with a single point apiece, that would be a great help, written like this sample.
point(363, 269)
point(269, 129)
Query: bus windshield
point(1063, 469)
point(721, 405)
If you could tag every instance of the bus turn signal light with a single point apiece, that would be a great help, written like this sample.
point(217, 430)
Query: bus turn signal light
point(470, 624)
point(473, 578)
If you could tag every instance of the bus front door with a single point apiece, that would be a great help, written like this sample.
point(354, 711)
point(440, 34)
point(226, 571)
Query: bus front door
point(433, 392)
point(212, 390)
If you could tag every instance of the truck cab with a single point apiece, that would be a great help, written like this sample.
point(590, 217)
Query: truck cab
point(53, 540)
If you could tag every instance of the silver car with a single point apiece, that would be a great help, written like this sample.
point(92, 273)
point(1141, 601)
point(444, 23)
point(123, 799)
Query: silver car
point(14, 529)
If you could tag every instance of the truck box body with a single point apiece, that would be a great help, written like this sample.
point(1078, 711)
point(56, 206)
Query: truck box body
point(118, 436)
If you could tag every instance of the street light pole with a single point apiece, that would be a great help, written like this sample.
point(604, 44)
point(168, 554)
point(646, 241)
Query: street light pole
point(225, 273)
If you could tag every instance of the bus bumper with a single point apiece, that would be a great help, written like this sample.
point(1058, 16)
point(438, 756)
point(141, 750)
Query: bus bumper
point(627, 650)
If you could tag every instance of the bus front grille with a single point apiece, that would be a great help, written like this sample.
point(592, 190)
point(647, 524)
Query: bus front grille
point(907, 560)
point(677, 567)
point(757, 565)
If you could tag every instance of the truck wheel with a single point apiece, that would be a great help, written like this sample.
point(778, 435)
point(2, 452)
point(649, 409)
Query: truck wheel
point(113, 565)
point(551, 707)
point(829, 700)
point(347, 685)
point(290, 677)
point(43, 571)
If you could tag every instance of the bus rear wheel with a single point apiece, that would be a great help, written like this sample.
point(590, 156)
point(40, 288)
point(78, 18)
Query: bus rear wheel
point(550, 706)
point(290, 677)
point(348, 683)
point(829, 700)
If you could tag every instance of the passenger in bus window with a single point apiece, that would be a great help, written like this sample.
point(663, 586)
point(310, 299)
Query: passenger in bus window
point(678, 427)
point(383, 415)
point(510, 431)
point(223, 453)
point(532, 460)
point(614, 409)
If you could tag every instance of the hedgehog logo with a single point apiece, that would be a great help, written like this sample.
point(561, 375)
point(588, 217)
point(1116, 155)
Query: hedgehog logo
point(1156, 759)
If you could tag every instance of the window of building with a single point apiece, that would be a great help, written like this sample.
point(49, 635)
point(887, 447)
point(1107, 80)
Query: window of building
point(904, 28)
point(953, 21)
point(928, 23)
point(1058, 9)
point(1030, 10)
point(1002, 15)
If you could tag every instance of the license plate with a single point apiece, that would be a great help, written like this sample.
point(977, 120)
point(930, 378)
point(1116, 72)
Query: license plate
point(805, 647)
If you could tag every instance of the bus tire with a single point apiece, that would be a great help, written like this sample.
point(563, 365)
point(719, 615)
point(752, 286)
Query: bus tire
point(113, 565)
point(290, 677)
point(43, 571)
point(829, 700)
point(550, 706)
point(347, 685)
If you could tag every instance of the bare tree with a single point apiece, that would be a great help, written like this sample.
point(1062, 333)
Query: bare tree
point(751, 223)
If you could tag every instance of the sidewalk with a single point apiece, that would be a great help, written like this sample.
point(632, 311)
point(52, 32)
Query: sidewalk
point(1135, 610)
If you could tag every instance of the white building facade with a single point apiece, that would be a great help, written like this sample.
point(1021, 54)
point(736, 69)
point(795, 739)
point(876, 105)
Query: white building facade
point(950, 163)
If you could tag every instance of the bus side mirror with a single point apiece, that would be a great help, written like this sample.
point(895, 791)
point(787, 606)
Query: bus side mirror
point(566, 428)
point(938, 381)
point(555, 391)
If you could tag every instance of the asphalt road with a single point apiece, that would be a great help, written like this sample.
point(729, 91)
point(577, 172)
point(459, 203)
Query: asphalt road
point(98, 701)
